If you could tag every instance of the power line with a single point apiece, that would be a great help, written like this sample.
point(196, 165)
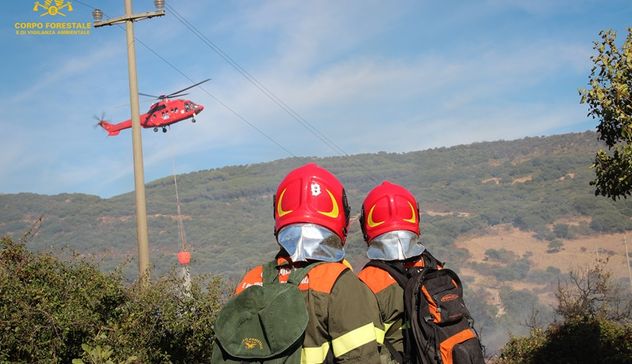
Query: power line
point(241, 117)
point(215, 98)
point(260, 86)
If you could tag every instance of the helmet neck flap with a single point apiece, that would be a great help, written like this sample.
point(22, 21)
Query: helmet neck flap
point(390, 223)
point(305, 242)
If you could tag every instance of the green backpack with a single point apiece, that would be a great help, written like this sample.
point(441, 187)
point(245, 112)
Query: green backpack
point(263, 324)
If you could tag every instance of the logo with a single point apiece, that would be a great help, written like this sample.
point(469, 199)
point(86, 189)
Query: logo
point(315, 187)
point(449, 297)
point(252, 343)
point(412, 220)
point(49, 9)
point(334, 210)
point(280, 210)
point(370, 221)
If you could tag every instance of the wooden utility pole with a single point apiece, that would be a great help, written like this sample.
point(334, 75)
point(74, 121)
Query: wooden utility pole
point(139, 175)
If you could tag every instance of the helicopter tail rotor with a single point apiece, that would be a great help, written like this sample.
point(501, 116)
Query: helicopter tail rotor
point(105, 125)
point(99, 119)
point(108, 127)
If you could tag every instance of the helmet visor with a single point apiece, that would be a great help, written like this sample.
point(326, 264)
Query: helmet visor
point(311, 242)
point(395, 245)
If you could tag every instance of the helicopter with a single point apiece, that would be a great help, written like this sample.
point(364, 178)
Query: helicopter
point(161, 114)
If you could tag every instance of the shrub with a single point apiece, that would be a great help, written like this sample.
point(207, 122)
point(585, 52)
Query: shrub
point(583, 341)
point(561, 231)
point(595, 326)
point(501, 255)
point(554, 246)
point(161, 324)
point(49, 308)
point(53, 311)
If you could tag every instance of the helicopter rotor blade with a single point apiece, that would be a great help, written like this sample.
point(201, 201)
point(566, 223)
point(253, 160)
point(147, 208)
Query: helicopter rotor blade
point(178, 95)
point(148, 95)
point(184, 89)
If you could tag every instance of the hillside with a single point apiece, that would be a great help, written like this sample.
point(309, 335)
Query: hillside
point(509, 215)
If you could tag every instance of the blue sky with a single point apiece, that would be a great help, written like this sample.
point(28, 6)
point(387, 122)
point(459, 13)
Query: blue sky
point(370, 76)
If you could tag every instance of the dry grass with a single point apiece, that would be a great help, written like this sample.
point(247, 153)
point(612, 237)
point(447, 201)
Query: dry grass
point(524, 179)
point(575, 254)
point(568, 175)
point(494, 180)
point(447, 213)
point(574, 220)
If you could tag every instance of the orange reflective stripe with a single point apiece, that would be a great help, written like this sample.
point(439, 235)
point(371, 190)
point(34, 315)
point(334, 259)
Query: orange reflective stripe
point(432, 305)
point(323, 277)
point(376, 279)
point(252, 278)
point(448, 344)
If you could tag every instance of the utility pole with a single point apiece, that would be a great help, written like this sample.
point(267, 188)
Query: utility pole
point(139, 175)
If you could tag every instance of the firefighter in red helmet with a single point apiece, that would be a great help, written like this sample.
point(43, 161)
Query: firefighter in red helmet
point(311, 215)
point(390, 224)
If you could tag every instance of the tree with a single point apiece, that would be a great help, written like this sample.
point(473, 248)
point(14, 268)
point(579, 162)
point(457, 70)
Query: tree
point(54, 311)
point(595, 324)
point(610, 100)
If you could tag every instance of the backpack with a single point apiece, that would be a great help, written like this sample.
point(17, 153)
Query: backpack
point(440, 328)
point(263, 324)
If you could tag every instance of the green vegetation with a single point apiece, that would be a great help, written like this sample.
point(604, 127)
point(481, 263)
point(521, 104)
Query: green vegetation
point(595, 325)
point(501, 255)
point(608, 99)
point(536, 184)
point(54, 312)
point(228, 213)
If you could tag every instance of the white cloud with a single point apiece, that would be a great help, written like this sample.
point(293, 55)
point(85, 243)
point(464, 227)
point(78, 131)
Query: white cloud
point(61, 72)
point(328, 62)
point(448, 94)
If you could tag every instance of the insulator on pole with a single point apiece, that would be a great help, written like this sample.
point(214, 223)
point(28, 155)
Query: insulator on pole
point(160, 4)
point(97, 14)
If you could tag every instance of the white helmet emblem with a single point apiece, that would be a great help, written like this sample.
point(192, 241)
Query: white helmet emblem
point(315, 189)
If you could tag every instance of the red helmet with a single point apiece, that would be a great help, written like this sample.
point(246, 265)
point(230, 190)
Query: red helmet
point(311, 194)
point(388, 207)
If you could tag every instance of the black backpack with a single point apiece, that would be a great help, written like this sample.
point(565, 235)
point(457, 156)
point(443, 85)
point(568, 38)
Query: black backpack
point(438, 328)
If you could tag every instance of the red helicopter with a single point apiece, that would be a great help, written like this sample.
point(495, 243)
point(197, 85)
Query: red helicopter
point(161, 114)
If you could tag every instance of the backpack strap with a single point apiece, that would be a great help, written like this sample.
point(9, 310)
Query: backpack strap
point(430, 261)
point(271, 273)
point(395, 269)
